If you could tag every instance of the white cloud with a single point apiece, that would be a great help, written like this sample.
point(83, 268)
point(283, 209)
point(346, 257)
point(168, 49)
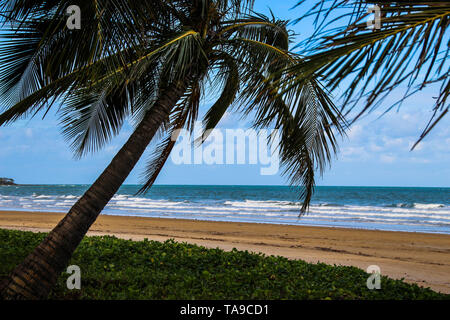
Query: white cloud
point(29, 133)
point(355, 132)
point(385, 158)
point(375, 148)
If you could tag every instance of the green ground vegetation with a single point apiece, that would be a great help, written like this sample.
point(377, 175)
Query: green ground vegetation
point(113, 268)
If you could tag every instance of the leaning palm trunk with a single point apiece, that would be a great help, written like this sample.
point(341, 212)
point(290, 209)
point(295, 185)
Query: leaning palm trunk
point(34, 278)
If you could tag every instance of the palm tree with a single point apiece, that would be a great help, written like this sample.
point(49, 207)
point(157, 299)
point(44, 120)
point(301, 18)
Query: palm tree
point(411, 48)
point(151, 62)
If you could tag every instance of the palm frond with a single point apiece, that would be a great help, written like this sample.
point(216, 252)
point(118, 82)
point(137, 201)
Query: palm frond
point(411, 49)
point(90, 119)
point(226, 99)
point(308, 121)
point(302, 110)
point(186, 108)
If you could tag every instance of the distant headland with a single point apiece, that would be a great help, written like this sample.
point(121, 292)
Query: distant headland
point(7, 182)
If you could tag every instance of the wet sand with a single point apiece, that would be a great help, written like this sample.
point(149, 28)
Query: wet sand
point(417, 257)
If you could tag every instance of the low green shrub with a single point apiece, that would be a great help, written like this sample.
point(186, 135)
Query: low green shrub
point(112, 268)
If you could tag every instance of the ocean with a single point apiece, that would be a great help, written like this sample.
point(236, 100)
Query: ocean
point(380, 208)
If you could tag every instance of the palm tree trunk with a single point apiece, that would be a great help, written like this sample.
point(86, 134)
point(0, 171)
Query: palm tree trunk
point(36, 275)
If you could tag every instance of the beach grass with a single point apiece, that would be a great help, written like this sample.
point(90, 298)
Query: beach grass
point(113, 268)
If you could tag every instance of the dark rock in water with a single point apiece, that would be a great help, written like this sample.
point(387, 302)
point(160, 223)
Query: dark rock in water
point(7, 182)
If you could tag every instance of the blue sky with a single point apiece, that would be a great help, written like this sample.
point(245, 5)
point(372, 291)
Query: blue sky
point(375, 152)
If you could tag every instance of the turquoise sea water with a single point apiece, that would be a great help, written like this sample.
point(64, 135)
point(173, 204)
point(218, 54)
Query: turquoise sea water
point(382, 208)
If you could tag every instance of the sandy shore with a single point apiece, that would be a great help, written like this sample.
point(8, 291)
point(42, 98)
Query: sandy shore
point(417, 257)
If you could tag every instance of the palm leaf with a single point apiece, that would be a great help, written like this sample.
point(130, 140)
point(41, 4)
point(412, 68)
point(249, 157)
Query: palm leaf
point(230, 90)
point(411, 49)
point(186, 108)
